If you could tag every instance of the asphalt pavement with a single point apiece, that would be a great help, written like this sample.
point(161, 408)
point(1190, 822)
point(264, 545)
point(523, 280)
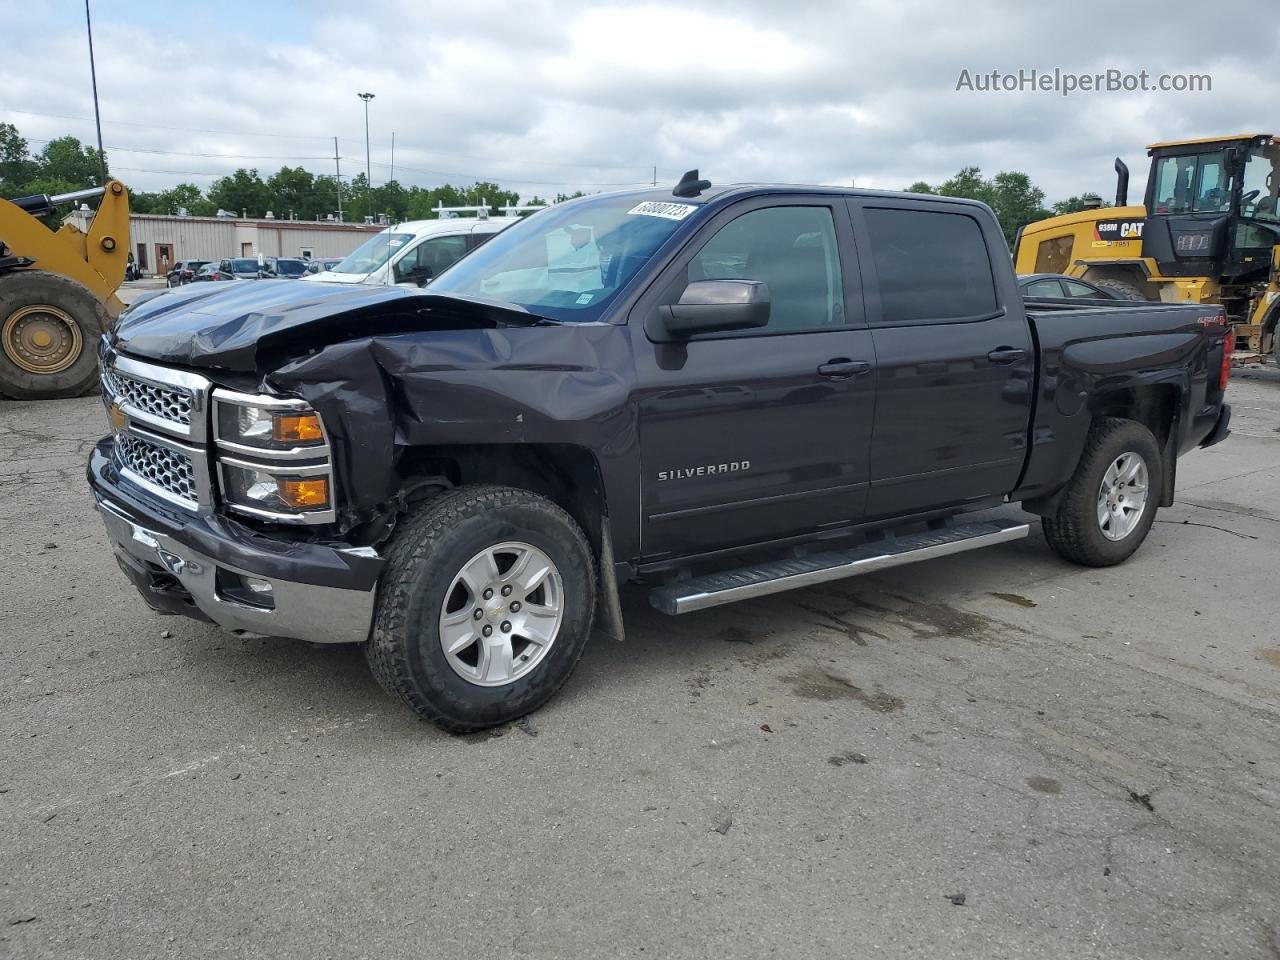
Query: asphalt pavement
point(990, 755)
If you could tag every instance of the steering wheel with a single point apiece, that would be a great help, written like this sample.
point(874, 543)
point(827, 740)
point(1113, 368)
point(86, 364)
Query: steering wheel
point(1249, 197)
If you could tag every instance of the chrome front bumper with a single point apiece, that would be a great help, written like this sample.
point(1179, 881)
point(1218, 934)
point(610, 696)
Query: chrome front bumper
point(174, 578)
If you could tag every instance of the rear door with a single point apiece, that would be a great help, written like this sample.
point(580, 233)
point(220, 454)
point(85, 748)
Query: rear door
point(955, 360)
point(758, 434)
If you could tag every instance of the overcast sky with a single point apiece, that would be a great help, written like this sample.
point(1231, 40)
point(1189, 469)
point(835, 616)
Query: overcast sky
point(545, 96)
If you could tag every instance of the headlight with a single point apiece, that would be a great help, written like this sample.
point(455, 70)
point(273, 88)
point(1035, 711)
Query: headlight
point(268, 428)
point(273, 458)
point(271, 489)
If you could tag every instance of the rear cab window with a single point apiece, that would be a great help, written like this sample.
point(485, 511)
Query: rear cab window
point(931, 266)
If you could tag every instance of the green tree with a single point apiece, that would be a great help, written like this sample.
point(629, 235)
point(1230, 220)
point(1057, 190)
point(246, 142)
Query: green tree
point(1075, 204)
point(969, 184)
point(242, 192)
point(920, 187)
point(67, 160)
point(292, 190)
point(1016, 201)
point(16, 166)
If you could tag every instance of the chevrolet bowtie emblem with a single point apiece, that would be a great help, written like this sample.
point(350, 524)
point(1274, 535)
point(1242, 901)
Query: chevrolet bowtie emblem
point(118, 420)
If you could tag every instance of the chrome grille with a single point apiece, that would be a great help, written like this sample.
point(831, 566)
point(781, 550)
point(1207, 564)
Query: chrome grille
point(164, 403)
point(167, 469)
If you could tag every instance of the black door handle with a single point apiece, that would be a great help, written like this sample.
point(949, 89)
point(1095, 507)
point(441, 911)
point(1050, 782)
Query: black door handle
point(1006, 355)
point(841, 367)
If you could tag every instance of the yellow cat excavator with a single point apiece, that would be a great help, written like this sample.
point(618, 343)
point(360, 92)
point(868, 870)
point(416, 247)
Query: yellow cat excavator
point(58, 291)
point(1208, 232)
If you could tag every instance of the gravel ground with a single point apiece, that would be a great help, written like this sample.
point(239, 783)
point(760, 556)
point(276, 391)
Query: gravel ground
point(993, 755)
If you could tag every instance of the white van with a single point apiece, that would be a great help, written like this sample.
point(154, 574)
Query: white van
point(413, 253)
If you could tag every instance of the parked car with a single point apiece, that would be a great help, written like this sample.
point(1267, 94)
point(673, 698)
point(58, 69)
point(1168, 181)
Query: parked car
point(184, 271)
point(288, 268)
point(323, 264)
point(1057, 286)
point(719, 393)
point(413, 254)
point(246, 268)
point(214, 270)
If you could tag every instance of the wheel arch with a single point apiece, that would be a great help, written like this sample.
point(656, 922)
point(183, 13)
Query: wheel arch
point(568, 475)
point(1131, 272)
point(1157, 406)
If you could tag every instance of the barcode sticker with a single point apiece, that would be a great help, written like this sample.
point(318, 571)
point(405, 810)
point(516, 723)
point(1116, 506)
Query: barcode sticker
point(657, 208)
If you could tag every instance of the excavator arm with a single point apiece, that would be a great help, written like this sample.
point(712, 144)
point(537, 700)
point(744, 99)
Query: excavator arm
point(96, 260)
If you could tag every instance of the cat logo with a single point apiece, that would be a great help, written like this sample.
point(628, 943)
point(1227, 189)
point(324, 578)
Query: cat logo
point(1112, 231)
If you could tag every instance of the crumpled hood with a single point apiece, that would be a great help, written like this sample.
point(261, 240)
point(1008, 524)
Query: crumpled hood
point(251, 327)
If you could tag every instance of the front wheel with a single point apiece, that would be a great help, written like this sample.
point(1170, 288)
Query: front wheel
point(485, 607)
point(49, 328)
point(1110, 501)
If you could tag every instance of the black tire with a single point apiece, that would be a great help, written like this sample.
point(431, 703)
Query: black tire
point(428, 551)
point(26, 288)
point(1073, 530)
point(1121, 288)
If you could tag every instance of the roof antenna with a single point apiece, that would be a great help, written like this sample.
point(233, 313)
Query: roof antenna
point(690, 185)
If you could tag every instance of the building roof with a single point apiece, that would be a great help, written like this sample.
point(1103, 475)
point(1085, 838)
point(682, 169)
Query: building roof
point(266, 222)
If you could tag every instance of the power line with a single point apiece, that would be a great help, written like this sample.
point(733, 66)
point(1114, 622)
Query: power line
point(161, 126)
point(231, 133)
point(506, 179)
point(204, 156)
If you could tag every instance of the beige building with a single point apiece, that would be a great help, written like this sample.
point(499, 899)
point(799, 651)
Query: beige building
point(158, 242)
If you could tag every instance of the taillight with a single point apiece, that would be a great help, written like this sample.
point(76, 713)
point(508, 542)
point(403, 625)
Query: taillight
point(1228, 348)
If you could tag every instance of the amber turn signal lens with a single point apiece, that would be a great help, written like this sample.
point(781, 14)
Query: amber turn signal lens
point(301, 494)
point(296, 428)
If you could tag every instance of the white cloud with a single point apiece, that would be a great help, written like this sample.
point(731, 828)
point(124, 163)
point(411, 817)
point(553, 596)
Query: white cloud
point(552, 95)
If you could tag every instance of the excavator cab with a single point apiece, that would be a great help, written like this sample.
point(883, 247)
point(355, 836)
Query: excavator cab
point(1208, 232)
point(1212, 208)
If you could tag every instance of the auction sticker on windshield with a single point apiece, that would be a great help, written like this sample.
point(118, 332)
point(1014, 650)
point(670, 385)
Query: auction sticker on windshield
point(668, 211)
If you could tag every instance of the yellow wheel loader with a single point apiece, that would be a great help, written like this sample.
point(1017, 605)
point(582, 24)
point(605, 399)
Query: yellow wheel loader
point(58, 292)
point(1208, 232)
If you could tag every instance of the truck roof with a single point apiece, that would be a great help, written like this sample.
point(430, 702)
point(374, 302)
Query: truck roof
point(737, 191)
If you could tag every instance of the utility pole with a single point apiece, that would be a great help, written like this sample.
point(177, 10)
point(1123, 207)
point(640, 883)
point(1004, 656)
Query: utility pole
point(337, 168)
point(655, 174)
point(93, 74)
point(368, 165)
point(393, 156)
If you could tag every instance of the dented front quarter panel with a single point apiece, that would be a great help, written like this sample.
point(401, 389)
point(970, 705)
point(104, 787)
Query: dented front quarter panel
point(382, 396)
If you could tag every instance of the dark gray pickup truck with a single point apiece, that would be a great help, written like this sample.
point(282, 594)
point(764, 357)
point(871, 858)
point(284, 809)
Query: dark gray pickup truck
point(717, 392)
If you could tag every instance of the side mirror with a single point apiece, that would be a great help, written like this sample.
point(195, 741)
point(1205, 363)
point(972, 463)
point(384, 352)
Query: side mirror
point(716, 306)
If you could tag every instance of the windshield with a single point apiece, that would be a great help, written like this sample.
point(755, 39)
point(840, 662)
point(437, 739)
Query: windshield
point(290, 268)
point(567, 262)
point(244, 266)
point(1261, 184)
point(373, 253)
point(1198, 183)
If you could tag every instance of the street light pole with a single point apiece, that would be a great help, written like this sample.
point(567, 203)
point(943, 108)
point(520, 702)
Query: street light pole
point(368, 165)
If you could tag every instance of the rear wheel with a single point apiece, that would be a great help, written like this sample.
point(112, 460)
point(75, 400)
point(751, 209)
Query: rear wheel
point(1110, 501)
point(49, 329)
point(485, 607)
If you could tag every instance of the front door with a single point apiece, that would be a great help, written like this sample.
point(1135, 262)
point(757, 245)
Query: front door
point(955, 360)
point(759, 434)
point(164, 258)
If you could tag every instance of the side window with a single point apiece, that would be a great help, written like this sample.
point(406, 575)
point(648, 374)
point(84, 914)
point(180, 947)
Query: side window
point(1043, 288)
point(794, 251)
point(931, 267)
point(1080, 290)
point(432, 257)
